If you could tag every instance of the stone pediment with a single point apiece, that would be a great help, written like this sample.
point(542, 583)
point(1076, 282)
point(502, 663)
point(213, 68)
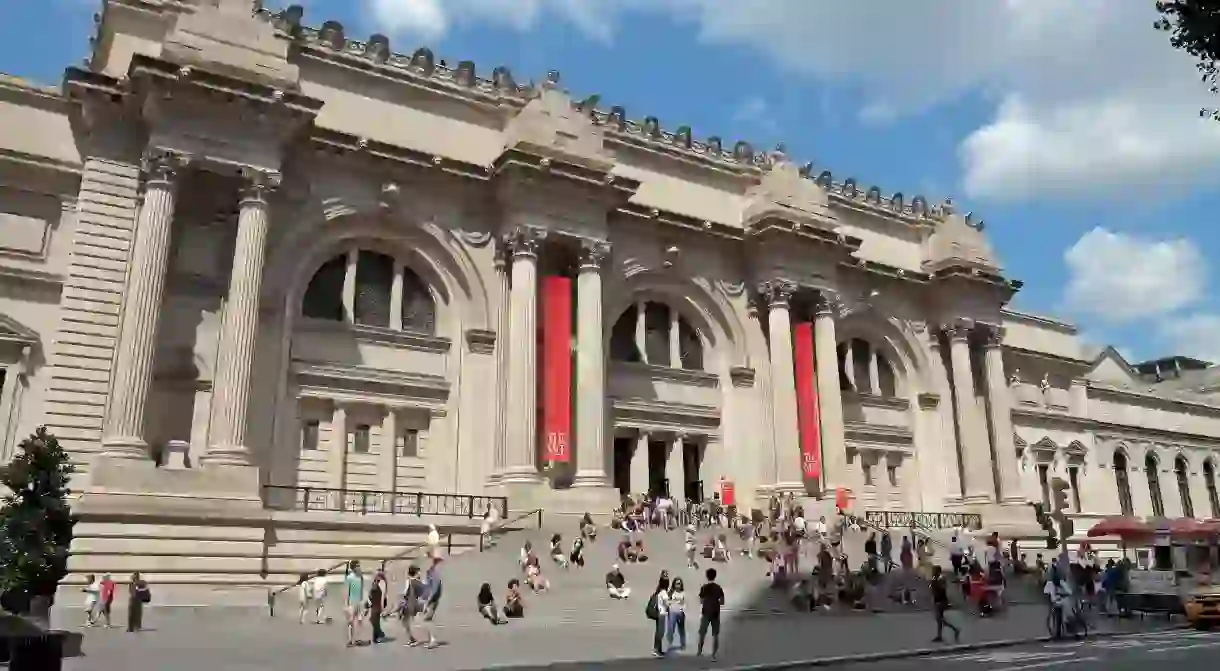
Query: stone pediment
point(784, 193)
point(226, 37)
point(13, 331)
point(550, 125)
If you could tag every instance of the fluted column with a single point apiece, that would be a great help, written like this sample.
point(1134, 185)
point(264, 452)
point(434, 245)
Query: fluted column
point(999, 402)
point(336, 450)
point(135, 351)
point(503, 347)
point(239, 326)
point(590, 368)
point(778, 294)
point(976, 457)
point(954, 487)
point(830, 396)
point(522, 406)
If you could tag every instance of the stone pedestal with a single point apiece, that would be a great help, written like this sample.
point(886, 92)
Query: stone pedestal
point(135, 487)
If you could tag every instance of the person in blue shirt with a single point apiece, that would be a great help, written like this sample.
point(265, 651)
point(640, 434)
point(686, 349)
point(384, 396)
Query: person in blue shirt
point(353, 600)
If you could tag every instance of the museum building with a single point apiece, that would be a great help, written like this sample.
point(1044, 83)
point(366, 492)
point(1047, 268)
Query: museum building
point(293, 288)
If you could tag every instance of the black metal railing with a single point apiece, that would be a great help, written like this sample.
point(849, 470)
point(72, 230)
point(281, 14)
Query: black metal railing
point(364, 502)
point(905, 519)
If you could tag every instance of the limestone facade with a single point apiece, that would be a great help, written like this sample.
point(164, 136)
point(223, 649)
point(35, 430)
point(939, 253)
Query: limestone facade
point(309, 261)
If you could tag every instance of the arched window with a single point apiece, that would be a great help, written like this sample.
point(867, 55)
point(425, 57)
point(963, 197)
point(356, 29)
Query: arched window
point(324, 295)
point(651, 335)
point(1181, 473)
point(1123, 483)
point(1154, 486)
point(866, 370)
point(372, 302)
point(1209, 476)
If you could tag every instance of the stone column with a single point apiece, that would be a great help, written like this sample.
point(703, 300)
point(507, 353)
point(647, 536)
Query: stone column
point(830, 395)
point(387, 456)
point(503, 345)
point(999, 399)
point(675, 340)
point(349, 286)
point(976, 459)
point(640, 468)
point(522, 405)
point(396, 297)
point(336, 451)
point(239, 325)
point(874, 372)
point(954, 487)
point(590, 368)
point(641, 339)
point(135, 351)
point(779, 294)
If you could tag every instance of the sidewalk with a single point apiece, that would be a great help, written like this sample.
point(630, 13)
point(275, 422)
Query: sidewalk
point(197, 640)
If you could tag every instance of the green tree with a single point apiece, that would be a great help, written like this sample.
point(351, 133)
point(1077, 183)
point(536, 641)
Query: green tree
point(1194, 27)
point(35, 521)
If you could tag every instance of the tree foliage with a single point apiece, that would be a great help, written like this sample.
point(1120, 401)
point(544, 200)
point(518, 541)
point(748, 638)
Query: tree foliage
point(1194, 27)
point(35, 520)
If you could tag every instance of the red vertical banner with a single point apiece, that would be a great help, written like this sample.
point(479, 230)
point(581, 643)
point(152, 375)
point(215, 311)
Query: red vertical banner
point(807, 401)
point(556, 368)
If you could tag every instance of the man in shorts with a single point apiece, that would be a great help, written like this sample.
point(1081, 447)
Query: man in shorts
point(353, 600)
point(711, 600)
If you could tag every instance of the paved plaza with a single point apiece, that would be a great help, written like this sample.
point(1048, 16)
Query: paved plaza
point(241, 639)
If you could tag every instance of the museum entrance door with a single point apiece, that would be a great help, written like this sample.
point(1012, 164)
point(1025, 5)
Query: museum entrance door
point(692, 466)
point(621, 473)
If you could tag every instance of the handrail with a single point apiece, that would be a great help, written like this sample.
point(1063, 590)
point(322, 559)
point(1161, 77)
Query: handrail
point(370, 501)
point(500, 526)
point(914, 526)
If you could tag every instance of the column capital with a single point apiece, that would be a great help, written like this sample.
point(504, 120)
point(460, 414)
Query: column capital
point(503, 252)
point(525, 241)
point(993, 336)
point(257, 184)
point(162, 166)
point(778, 292)
point(593, 253)
point(827, 304)
point(959, 329)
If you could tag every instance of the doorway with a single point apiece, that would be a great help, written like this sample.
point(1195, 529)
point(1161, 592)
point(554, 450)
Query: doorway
point(658, 453)
point(621, 474)
point(692, 467)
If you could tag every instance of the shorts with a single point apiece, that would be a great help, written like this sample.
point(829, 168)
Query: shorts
point(710, 622)
point(353, 613)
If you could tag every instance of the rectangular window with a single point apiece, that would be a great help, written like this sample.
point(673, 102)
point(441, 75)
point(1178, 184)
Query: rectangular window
point(309, 434)
point(1074, 481)
point(868, 474)
point(407, 443)
point(360, 444)
point(892, 473)
point(1044, 481)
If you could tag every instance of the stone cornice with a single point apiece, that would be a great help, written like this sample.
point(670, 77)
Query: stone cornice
point(1127, 431)
point(481, 341)
point(363, 384)
point(877, 433)
point(1039, 320)
point(30, 276)
point(10, 83)
point(885, 270)
point(697, 378)
point(742, 376)
point(678, 220)
point(27, 160)
point(1103, 390)
point(419, 342)
point(1046, 356)
point(335, 142)
point(874, 401)
point(566, 169)
point(651, 415)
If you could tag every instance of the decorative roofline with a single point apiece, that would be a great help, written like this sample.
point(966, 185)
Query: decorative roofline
point(330, 42)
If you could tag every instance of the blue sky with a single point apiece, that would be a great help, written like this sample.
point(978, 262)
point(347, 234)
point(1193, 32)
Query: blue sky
point(1070, 128)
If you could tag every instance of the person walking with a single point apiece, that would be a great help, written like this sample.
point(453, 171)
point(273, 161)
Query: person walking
point(138, 594)
point(353, 600)
point(304, 596)
point(940, 605)
point(377, 605)
point(107, 598)
point(657, 610)
point(711, 600)
point(887, 551)
point(677, 615)
point(317, 591)
point(93, 591)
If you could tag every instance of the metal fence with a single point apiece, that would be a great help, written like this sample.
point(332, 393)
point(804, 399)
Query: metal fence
point(890, 519)
point(365, 502)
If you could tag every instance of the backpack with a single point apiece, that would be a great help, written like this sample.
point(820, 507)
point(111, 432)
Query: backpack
point(651, 611)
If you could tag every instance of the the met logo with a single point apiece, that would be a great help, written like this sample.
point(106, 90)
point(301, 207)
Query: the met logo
point(556, 446)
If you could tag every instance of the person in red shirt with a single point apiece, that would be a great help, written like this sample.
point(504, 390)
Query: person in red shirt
point(106, 597)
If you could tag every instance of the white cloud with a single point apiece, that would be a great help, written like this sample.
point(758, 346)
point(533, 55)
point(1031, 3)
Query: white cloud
point(1121, 278)
point(1196, 336)
point(756, 112)
point(1089, 98)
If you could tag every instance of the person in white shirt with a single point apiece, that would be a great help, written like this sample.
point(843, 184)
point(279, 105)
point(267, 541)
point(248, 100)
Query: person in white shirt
point(676, 606)
point(691, 547)
point(434, 541)
point(93, 590)
point(661, 599)
point(1059, 593)
point(318, 589)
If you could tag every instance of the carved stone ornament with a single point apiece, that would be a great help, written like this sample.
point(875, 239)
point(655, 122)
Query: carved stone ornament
point(993, 336)
point(959, 330)
point(474, 238)
point(163, 165)
point(258, 184)
point(742, 376)
point(526, 241)
point(593, 253)
point(827, 305)
point(377, 49)
point(778, 293)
